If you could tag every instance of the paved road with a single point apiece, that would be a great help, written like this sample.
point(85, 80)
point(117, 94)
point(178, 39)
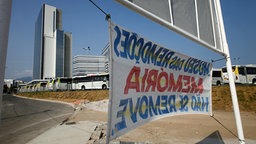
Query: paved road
point(25, 119)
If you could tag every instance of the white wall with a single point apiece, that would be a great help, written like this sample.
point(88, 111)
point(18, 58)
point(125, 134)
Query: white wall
point(49, 68)
point(49, 21)
point(49, 57)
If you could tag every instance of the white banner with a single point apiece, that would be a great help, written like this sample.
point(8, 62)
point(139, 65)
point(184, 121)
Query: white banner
point(151, 82)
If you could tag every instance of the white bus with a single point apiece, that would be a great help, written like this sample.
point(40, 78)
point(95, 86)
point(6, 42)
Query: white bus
point(217, 77)
point(60, 83)
point(243, 74)
point(91, 81)
point(30, 86)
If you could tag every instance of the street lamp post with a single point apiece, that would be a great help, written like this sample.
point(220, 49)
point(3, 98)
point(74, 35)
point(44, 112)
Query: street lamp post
point(88, 48)
point(236, 59)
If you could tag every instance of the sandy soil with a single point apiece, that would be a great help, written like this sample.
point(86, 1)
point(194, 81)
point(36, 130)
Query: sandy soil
point(221, 98)
point(183, 129)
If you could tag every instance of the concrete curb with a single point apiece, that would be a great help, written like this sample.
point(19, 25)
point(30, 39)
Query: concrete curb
point(73, 105)
point(75, 133)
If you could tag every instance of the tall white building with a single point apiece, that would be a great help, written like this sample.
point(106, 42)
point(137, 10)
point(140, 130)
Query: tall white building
point(53, 47)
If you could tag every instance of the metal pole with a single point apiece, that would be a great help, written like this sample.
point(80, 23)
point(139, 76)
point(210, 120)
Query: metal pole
point(235, 101)
point(5, 16)
point(111, 84)
point(108, 18)
point(230, 75)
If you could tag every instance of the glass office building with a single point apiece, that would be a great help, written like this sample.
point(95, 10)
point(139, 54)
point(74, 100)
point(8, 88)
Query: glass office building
point(60, 53)
point(52, 47)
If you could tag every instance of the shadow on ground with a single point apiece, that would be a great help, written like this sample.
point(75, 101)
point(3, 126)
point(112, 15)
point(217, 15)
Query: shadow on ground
point(213, 138)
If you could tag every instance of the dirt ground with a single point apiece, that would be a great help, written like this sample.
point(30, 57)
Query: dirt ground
point(221, 98)
point(183, 129)
point(200, 129)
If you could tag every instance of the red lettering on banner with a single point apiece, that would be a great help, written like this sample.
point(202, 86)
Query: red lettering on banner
point(143, 80)
point(197, 88)
point(153, 80)
point(163, 76)
point(186, 84)
point(130, 84)
point(172, 86)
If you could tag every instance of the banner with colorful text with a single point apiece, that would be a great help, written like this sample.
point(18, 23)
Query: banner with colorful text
point(151, 82)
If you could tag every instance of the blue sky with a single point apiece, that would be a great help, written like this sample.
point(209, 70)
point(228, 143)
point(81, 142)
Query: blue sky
point(89, 28)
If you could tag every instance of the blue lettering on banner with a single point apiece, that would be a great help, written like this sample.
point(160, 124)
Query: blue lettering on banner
point(143, 111)
point(199, 103)
point(120, 114)
point(146, 107)
point(128, 45)
point(183, 103)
